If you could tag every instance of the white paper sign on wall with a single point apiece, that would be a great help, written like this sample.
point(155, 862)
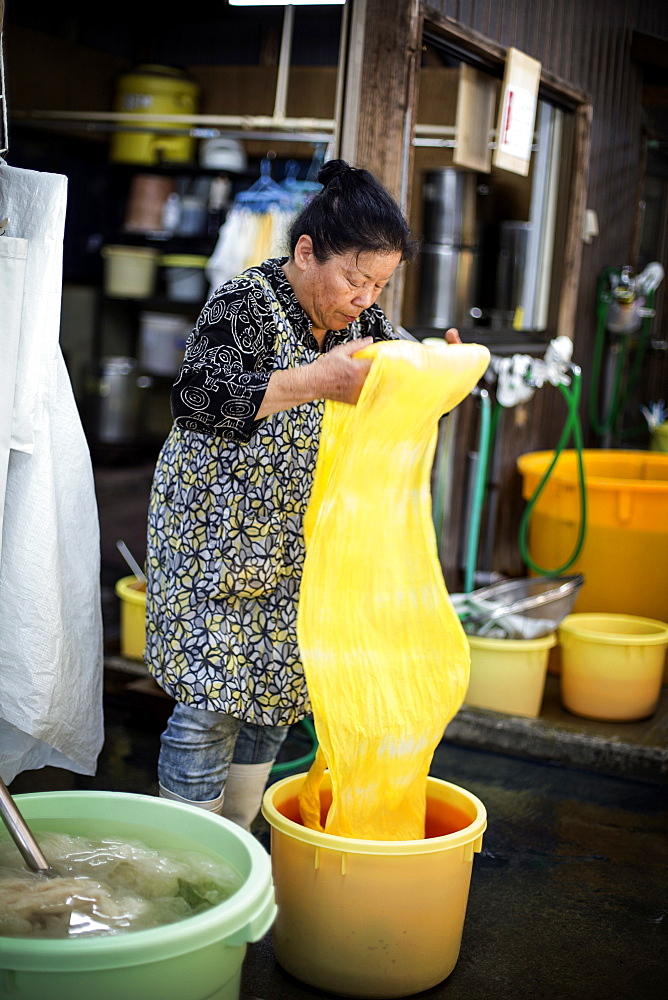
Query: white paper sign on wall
point(517, 113)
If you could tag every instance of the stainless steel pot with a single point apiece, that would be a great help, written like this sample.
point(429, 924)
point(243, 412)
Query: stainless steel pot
point(115, 400)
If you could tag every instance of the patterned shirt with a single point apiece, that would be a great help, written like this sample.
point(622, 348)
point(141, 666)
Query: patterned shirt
point(225, 529)
point(231, 352)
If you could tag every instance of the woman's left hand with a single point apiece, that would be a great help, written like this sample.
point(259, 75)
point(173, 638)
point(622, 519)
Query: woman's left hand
point(452, 336)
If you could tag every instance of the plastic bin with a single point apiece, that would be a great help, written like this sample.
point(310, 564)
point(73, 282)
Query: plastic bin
point(625, 555)
point(132, 593)
point(185, 277)
point(508, 675)
point(365, 918)
point(195, 959)
point(162, 342)
point(129, 272)
point(611, 665)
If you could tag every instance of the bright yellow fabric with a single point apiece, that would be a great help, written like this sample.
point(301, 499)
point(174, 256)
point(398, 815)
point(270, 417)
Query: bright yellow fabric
point(385, 657)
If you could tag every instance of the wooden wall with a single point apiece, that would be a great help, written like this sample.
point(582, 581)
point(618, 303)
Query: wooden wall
point(587, 46)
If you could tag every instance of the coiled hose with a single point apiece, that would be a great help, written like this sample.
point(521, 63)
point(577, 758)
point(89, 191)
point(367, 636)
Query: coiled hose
point(572, 427)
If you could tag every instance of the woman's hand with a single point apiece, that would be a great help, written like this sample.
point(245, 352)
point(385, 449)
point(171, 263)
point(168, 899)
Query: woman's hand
point(452, 336)
point(334, 375)
point(340, 376)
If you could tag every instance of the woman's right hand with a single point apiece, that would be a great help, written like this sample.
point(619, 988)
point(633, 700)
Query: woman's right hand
point(334, 375)
point(338, 375)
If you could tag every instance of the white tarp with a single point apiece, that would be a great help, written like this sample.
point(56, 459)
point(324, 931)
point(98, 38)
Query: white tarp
point(51, 661)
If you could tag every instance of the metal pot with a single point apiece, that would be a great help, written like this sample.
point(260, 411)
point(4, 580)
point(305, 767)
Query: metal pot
point(115, 393)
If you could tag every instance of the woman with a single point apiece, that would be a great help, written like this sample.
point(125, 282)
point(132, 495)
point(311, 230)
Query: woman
point(232, 482)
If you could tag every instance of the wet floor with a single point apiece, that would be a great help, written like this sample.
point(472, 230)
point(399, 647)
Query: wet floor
point(568, 898)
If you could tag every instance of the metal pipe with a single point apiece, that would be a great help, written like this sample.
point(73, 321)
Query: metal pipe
point(232, 121)
point(281, 97)
point(21, 835)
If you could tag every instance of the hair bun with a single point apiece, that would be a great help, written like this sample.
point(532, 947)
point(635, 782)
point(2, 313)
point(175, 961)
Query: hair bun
point(333, 170)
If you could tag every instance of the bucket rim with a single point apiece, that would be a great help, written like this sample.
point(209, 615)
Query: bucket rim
point(513, 645)
point(576, 625)
point(536, 462)
point(116, 250)
point(127, 592)
point(351, 845)
point(143, 947)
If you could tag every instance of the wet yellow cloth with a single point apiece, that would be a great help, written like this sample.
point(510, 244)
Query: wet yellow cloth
point(385, 657)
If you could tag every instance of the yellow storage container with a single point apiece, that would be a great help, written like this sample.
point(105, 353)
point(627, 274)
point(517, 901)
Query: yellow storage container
point(611, 665)
point(372, 918)
point(132, 593)
point(625, 554)
point(154, 90)
point(508, 675)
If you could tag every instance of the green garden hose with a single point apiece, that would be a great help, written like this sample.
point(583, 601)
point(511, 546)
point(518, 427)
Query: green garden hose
point(619, 395)
point(288, 766)
point(571, 427)
point(484, 441)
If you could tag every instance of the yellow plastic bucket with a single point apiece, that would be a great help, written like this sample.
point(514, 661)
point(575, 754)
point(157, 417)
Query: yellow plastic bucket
point(132, 593)
point(366, 918)
point(508, 675)
point(611, 665)
point(625, 555)
point(129, 272)
point(154, 90)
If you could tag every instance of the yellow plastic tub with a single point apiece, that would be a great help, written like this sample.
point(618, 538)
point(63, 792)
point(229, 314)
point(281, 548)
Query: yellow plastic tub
point(625, 555)
point(611, 665)
point(132, 593)
point(508, 675)
point(366, 918)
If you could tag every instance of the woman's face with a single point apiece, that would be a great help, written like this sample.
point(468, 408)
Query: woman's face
point(333, 294)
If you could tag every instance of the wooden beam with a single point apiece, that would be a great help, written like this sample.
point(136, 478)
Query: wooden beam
point(387, 89)
point(576, 204)
point(383, 87)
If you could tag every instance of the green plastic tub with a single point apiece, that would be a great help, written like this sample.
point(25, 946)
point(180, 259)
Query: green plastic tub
point(198, 958)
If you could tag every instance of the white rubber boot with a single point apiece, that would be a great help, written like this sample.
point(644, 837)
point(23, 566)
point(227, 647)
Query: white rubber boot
point(211, 805)
point(243, 793)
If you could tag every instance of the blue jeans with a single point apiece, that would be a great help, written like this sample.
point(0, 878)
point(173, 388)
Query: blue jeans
point(198, 746)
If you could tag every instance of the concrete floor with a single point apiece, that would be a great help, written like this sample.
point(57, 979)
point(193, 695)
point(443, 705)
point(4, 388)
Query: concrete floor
point(568, 896)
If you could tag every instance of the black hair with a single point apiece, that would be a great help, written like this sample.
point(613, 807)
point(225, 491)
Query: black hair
point(353, 213)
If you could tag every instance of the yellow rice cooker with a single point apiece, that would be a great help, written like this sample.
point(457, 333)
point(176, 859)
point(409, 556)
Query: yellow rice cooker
point(153, 90)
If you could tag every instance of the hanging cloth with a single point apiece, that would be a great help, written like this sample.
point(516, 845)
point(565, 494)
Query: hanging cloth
point(385, 657)
point(51, 660)
point(13, 255)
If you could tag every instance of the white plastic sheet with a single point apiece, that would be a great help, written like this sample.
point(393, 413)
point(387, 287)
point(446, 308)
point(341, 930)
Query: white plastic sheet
point(51, 661)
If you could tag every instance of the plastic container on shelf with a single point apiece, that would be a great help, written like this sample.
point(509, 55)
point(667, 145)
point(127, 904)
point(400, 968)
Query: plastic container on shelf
point(508, 675)
point(162, 342)
point(146, 203)
point(187, 960)
point(185, 277)
point(366, 918)
point(129, 272)
point(150, 90)
point(625, 554)
point(132, 594)
point(612, 665)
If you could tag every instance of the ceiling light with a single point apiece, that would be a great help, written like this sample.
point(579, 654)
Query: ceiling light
point(284, 3)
